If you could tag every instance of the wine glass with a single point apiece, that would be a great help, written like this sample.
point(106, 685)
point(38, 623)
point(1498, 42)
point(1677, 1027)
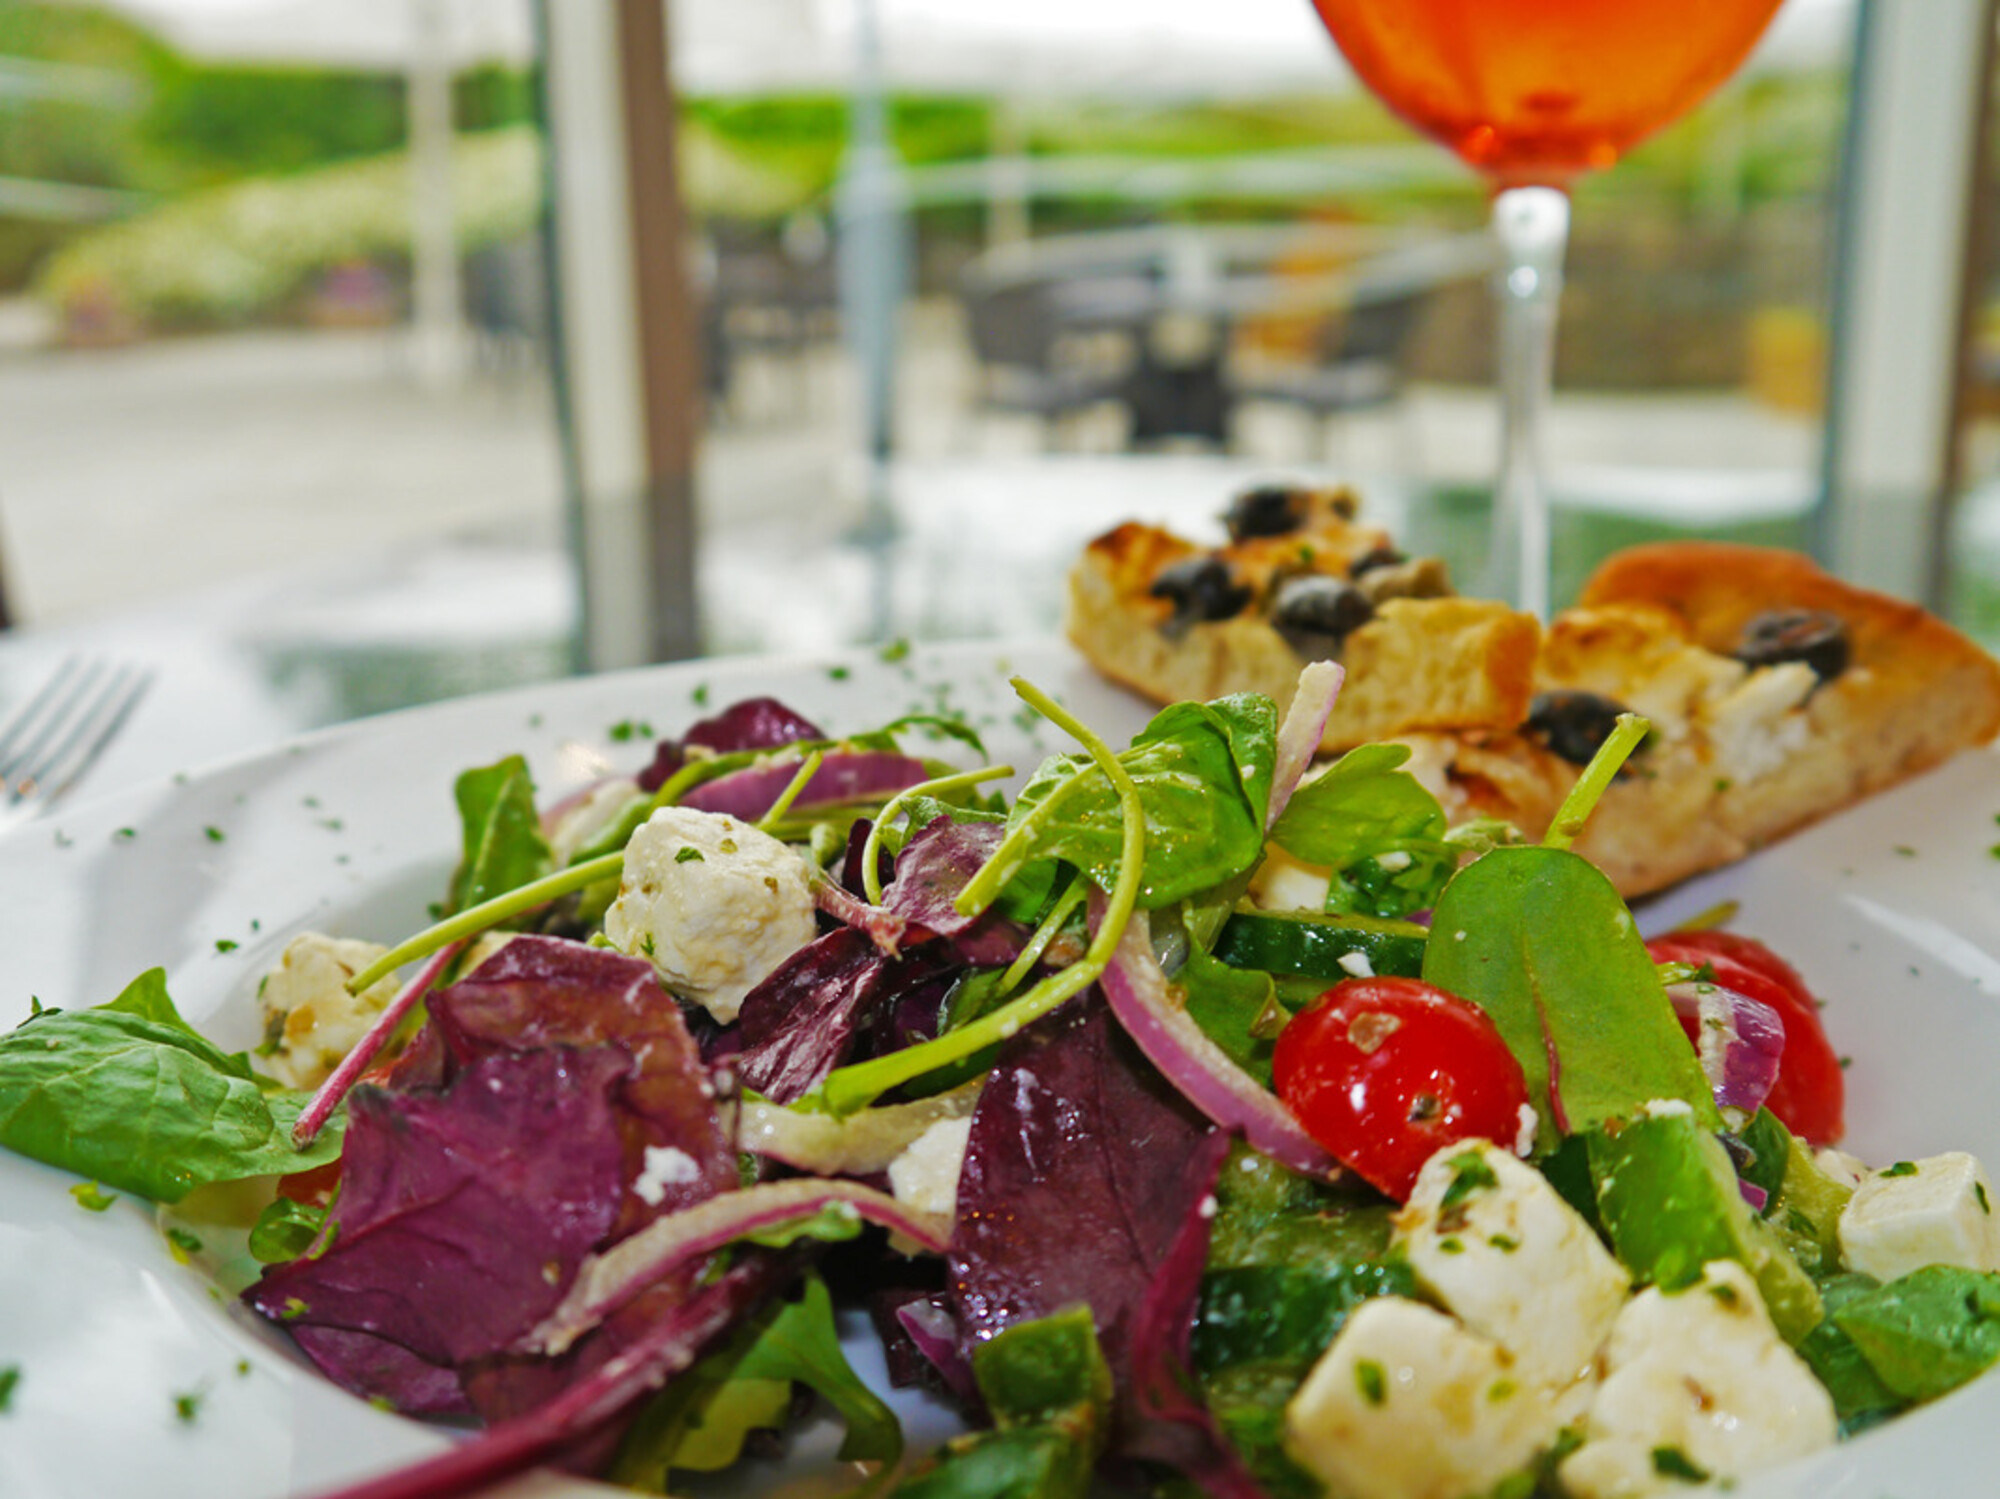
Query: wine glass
point(1532, 93)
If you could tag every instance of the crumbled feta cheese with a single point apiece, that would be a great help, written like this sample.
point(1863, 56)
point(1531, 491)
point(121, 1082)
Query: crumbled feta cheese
point(666, 1166)
point(1283, 883)
point(1395, 861)
point(925, 1175)
point(1667, 1108)
point(1752, 726)
point(1407, 1404)
point(1356, 964)
point(1524, 1136)
point(714, 903)
point(1701, 1374)
point(1491, 1241)
point(1937, 1211)
point(310, 1020)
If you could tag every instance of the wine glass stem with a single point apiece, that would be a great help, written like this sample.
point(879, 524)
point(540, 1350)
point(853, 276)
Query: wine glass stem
point(1532, 226)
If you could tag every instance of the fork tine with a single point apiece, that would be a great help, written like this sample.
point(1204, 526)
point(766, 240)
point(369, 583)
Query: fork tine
point(25, 720)
point(92, 731)
point(67, 725)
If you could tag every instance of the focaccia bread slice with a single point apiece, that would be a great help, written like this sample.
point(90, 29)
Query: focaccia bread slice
point(1300, 580)
point(1777, 693)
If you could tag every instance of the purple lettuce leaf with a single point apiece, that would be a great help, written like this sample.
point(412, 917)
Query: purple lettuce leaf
point(857, 775)
point(1164, 1418)
point(934, 866)
point(577, 1427)
point(463, 1214)
point(538, 992)
point(1076, 1184)
point(827, 1002)
point(753, 724)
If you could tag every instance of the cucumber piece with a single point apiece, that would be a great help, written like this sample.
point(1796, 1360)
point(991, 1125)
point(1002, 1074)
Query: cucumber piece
point(1311, 944)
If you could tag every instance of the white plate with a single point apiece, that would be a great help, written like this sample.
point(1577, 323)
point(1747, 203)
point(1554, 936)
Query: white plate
point(1892, 912)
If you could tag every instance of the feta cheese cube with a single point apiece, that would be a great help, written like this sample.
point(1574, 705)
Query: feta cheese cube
point(311, 1022)
point(1495, 1244)
point(1937, 1211)
point(1408, 1404)
point(1697, 1385)
point(714, 903)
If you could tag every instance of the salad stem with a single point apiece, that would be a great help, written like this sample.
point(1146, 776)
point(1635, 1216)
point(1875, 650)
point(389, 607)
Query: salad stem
point(326, 1098)
point(808, 768)
point(488, 913)
point(1582, 799)
point(1031, 953)
point(848, 1089)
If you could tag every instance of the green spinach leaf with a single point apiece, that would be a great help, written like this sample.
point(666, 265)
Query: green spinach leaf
point(129, 1095)
point(1202, 826)
point(504, 847)
point(702, 1420)
point(1374, 826)
point(1539, 939)
point(1927, 1332)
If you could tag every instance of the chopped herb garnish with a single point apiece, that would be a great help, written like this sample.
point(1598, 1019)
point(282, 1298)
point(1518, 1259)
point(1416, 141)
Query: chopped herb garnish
point(1905, 851)
point(1372, 1380)
point(243, 1367)
point(10, 1381)
point(1505, 1243)
point(699, 696)
point(1901, 1168)
point(187, 1405)
point(213, 834)
point(838, 673)
point(91, 1197)
point(689, 855)
point(1453, 1245)
point(1469, 1174)
point(1979, 1192)
point(184, 1245)
point(896, 650)
point(124, 834)
point(225, 944)
point(1501, 1389)
point(1724, 1293)
point(1671, 1462)
point(628, 729)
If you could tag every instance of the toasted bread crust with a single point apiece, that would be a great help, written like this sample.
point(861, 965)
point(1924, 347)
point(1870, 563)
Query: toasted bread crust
point(1419, 664)
point(1741, 757)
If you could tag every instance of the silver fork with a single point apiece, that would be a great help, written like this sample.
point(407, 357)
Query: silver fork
point(56, 736)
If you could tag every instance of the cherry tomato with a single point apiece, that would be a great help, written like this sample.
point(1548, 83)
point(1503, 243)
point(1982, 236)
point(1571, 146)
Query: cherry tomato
point(1810, 1096)
point(1384, 1072)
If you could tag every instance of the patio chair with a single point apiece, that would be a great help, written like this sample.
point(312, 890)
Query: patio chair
point(1018, 331)
point(1361, 356)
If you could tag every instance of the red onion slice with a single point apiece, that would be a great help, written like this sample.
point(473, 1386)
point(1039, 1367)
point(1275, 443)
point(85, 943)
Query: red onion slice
point(1146, 1006)
point(606, 1281)
point(1740, 1041)
point(1300, 733)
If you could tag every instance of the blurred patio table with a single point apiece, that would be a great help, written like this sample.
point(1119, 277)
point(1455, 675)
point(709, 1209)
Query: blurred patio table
point(1179, 296)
